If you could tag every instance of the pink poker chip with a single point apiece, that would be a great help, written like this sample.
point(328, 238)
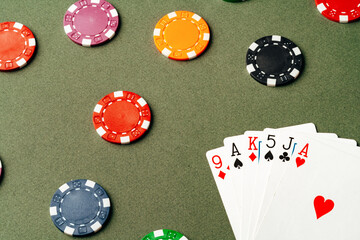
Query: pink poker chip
point(91, 22)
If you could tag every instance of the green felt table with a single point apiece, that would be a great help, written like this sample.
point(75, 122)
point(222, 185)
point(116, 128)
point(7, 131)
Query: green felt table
point(162, 181)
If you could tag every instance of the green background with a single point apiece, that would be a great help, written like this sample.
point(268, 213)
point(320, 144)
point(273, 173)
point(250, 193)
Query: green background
point(162, 181)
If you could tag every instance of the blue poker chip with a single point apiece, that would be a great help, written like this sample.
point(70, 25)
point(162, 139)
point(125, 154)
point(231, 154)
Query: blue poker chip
point(80, 207)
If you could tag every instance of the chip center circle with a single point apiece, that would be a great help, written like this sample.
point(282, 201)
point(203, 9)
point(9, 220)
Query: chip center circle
point(91, 21)
point(80, 206)
point(121, 116)
point(181, 34)
point(11, 45)
point(273, 59)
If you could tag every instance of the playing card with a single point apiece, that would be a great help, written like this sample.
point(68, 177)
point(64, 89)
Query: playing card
point(222, 172)
point(320, 199)
point(279, 170)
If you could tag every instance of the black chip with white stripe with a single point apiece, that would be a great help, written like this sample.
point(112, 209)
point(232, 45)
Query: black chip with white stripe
point(274, 61)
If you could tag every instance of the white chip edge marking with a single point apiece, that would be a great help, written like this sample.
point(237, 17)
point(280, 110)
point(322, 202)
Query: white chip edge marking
point(253, 46)
point(295, 73)
point(142, 102)
point(0, 165)
point(95, 1)
point(90, 183)
point(297, 51)
point(64, 188)
point(118, 94)
point(166, 52)
point(321, 7)
point(250, 68)
point(158, 233)
point(172, 15)
point(98, 108)
point(206, 37)
point(86, 42)
point(110, 34)
point(276, 38)
point(67, 29)
point(344, 19)
point(125, 140)
point(271, 82)
point(106, 202)
point(21, 62)
point(18, 25)
point(191, 54)
point(53, 211)
point(96, 226)
point(183, 238)
point(69, 231)
point(100, 131)
point(145, 124)
point(72, 8)
point(196, 17)
point(32, 42)
point(114, 13)
point(157, 32)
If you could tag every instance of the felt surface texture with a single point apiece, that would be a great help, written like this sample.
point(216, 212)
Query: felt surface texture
point(162, 181)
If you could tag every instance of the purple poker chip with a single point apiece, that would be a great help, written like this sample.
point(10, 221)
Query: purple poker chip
point(91, 22)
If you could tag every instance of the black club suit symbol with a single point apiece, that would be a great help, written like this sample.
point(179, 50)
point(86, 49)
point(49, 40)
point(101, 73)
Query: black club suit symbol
point(284, 157)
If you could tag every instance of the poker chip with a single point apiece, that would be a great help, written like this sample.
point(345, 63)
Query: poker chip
point(91, 22)
point(80, 207)
point(0, 168)
point(121, 117)
point(274, 61)
point(181, 35)
point(342, 11)
point(164, 234)
point(17, 45)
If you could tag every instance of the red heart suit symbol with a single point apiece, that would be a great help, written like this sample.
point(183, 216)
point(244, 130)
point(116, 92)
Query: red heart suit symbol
point(322, 207)
point(299, 161)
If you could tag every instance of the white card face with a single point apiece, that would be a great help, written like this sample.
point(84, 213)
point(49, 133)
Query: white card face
point(319, 200)
point(242, 168)
point(278, 173)
point(222, 173)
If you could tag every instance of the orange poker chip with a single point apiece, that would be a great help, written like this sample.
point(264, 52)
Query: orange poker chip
point(181, 35)
point(121, 117)
point(17, 45)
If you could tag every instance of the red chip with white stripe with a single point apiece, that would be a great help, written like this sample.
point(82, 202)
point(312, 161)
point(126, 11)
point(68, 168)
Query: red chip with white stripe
point(121, 117)
point(17, 45)
point(342, 11)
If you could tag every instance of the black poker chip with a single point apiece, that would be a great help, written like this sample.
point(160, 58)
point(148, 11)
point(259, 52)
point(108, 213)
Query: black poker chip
point(274, 61)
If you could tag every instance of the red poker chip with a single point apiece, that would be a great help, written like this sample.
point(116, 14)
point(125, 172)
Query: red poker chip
point(342, 11)
point(17, 45)
point(121, 117)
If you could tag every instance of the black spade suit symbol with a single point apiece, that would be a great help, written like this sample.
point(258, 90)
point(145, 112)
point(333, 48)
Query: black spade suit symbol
point(269, 156)
point(238, 164)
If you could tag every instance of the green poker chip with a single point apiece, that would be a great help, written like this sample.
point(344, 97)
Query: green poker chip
point(164, 234)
